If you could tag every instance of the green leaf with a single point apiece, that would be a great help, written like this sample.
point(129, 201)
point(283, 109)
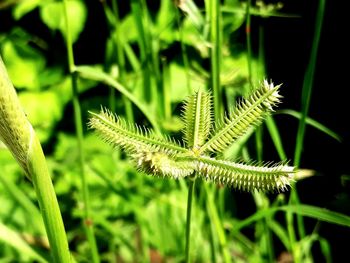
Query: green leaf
point(52, 15)
point(23, 7)
point(276, 138)
point(280, 232)
point(89, 72)
point(24, 64)
point(313, 123)
point(317, 213)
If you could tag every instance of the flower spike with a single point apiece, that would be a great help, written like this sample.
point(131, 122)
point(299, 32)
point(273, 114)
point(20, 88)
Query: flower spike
point(161, 156)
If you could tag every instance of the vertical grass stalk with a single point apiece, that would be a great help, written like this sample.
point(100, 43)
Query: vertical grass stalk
point(138, 14)
point(18, 135)
point(184, 52)
point(260, 199)
point(308, 83)
point(215, 220)
point(121, 65)
point(215, 56)
point(188, 219)
point(305, 105)
point(88, 223)
point(249, 42)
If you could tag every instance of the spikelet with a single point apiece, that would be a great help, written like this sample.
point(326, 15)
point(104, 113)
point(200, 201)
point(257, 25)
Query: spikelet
point(265, 178)
point(197, 117)
point(15, 130)
point(132, 138)
point(248, 113)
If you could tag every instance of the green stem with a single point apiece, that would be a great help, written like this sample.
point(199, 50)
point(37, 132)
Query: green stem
point(215, 220)
point(305, 105)
point(188, 218)
point(19, 137)
point(137, 9)
point(121, 65)
point(184, 53)
point(79, 133)
point(249, 43)
point(215, 56)
point(308, 83)
point(166, 91)
point(48, 204)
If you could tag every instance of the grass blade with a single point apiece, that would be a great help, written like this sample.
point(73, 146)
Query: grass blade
point(91, 73)
point(308, 83)
point(313, 123)
point(276, 138)
point(317, 213)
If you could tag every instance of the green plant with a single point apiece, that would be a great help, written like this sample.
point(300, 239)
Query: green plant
point(19, 136)
point(165, 157)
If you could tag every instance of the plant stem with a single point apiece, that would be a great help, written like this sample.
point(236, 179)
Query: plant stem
point(48, 204)
point(88, 225)
point(184, 52)
point(260, 199)
point(121, 65)
point(215, 220)
point(308, 83)
point(249, 43)
point(19, 137)
point(305, 105)
point(138, 14)
point(215, 56)
point(188, 218)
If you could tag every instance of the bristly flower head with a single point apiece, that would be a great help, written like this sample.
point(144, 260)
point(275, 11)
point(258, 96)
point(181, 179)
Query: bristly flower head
point(165, 157)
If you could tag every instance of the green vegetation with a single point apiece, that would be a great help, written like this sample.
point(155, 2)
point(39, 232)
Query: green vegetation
point(141, 59)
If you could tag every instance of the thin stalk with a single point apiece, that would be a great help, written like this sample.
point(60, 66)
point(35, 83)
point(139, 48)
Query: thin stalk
point(121, 63)
point(305, 105)
point(166, 92)
point(184, 53)
point(249, 42)
point(259, 143)
point(153, 61)
point(291, 235)
point(79, 133)
point(276, 138)
point(143, 43)
point(188, 218)
point(308, 83)
point(215, 220)
point(202, 200)
point(215, 56)
point(266, 236)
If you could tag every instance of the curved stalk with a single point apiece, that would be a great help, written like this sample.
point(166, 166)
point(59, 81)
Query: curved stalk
point(18, 135)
